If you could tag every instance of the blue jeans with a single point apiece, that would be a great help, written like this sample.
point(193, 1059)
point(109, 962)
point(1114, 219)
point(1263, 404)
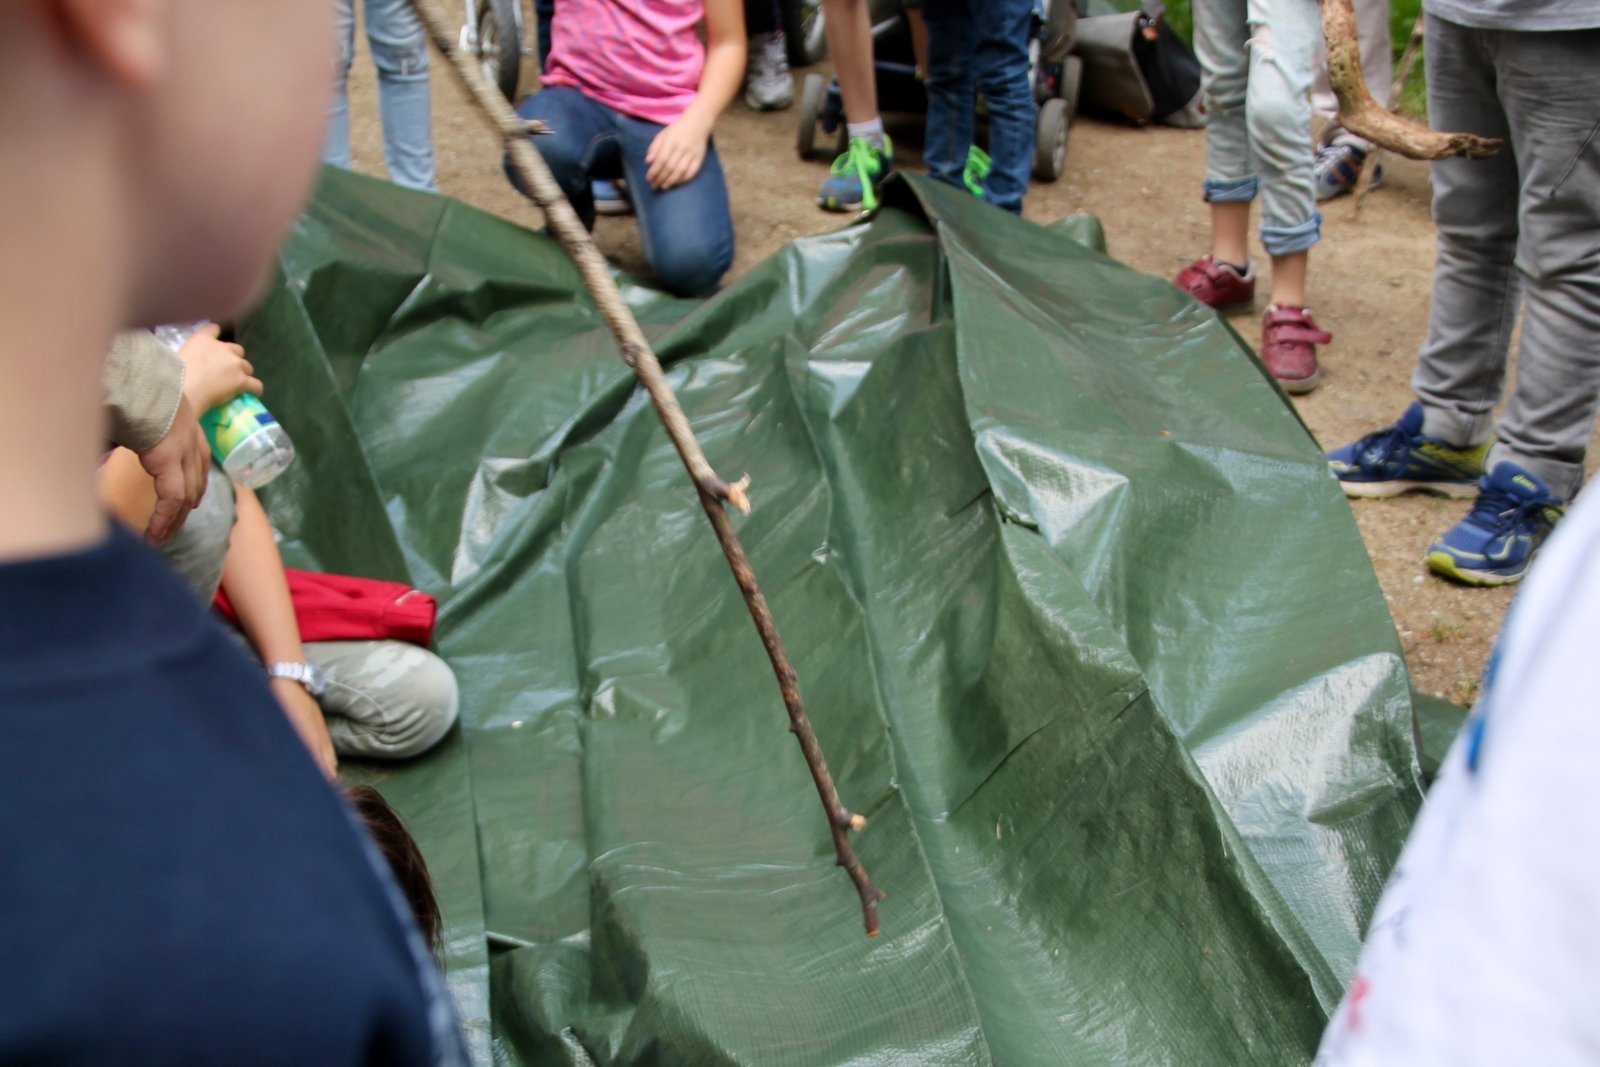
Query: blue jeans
point(544, 12)
point(1258, 59)
point(687, 230)
point(980, 46)
point(400, 52)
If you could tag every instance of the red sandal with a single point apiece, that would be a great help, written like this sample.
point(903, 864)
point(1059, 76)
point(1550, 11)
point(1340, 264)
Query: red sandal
point(1289, 340)
point(1218, 285)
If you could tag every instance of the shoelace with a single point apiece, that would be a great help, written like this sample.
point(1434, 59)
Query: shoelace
point(861, 158)
point(1498, 511)
point(977, 169)
point(1381, 446)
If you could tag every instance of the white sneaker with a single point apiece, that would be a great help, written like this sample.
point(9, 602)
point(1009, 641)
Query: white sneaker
point(768, 86)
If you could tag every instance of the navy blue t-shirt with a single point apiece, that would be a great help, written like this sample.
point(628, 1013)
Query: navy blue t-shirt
point(178, 884)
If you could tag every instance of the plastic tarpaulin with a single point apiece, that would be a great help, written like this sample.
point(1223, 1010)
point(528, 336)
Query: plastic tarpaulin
point(1085, 628)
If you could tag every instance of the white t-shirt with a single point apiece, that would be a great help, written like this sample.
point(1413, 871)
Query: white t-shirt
point(1485, 947)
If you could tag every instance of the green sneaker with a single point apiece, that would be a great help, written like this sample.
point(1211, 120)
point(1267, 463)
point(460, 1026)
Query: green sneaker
point(976, 170)
point(854, 178)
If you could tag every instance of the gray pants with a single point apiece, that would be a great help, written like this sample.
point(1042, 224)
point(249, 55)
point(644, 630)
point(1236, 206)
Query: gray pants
point(1519, 229)
point(385, 699)
point(1377, 67)
point(1256, 57)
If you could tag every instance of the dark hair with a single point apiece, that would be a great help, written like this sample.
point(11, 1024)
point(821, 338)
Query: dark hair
point(405, 860)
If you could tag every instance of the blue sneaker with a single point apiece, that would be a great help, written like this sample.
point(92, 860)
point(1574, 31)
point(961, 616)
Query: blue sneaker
point(1402, 458)
point(610, 197)
point(1497, 540)
point(853, 180)
point(1338, 168)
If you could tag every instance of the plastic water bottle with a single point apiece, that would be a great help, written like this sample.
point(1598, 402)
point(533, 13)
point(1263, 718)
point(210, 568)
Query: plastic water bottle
point(252, 448)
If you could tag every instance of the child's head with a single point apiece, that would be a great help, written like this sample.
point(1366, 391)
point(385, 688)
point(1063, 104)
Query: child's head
point(405, 860)
point(187, 130)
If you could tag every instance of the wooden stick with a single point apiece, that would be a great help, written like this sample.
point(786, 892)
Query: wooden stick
point(563, 222)
point(1361, 115)
point(1408, 59)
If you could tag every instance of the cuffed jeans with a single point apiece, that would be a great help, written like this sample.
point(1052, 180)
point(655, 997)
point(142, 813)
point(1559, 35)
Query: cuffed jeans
point(980, 46)
point(1257, 59)
point(1521, 227)
point(687, 230)
point(400, 52)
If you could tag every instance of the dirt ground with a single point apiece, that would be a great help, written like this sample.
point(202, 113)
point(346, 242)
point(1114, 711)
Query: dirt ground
point(1370, 283)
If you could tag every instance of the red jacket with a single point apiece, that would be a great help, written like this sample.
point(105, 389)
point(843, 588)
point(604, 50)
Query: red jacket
point(335, 607)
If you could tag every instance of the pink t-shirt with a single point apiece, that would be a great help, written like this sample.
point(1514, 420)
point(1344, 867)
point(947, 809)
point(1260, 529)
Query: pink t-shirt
point(640, 57)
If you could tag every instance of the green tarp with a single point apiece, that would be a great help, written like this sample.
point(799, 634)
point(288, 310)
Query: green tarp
point(1085, 628)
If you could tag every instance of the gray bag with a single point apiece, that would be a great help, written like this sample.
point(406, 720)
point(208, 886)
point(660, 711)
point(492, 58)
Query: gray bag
point(1136, 67)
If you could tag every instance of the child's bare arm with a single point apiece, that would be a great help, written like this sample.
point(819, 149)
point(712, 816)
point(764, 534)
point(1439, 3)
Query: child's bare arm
point(254, 579)
point(679, 151)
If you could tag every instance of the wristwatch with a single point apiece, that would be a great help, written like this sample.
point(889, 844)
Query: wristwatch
point(307, 674)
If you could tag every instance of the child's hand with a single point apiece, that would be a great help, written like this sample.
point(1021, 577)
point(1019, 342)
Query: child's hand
point(677, 153)
point(214, 372)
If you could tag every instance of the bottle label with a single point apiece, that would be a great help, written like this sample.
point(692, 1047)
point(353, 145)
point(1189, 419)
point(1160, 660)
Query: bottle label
point(232, 424)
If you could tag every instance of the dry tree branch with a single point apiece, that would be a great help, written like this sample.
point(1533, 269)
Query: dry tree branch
point(1361, 115)
point(1408, 59)
point(563, 222)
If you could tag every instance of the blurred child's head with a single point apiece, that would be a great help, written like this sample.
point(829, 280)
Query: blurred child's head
point(405, 860)
point(188, 129)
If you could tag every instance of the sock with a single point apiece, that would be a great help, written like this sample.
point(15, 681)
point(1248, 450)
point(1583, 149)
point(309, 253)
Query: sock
point(871, 131)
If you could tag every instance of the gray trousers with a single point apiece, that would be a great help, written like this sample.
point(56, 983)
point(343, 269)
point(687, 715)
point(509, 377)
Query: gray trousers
point(1519, 229)
point(1256, 62)
point(385, 699)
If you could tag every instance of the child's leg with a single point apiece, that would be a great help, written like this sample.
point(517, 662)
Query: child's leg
point(952, 91)
point(688, 229)
point(1230, 232)
point(1283, 42)
point(200, 546)
point(1221, 33)
point(583, 131)
point(847, 25)
point(1000, 64)
point(400, 52)
point(385, 699)
point(336, 149)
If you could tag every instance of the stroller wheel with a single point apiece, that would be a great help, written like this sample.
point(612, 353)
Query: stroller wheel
point(1050, 140)
point(812, 95)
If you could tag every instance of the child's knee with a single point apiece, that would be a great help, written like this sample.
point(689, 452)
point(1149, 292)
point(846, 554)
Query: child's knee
point(693, 268)
point(402, 53)
point(387, 700)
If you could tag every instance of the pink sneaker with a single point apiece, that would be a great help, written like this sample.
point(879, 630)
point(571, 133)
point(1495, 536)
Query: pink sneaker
point(1217, 285)
point(1289, 340)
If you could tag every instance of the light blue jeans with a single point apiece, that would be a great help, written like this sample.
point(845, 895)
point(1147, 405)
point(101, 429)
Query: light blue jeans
point(1258, 58)
point(400, 52)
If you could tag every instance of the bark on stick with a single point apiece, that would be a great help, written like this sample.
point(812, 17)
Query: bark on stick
point(1361, 114)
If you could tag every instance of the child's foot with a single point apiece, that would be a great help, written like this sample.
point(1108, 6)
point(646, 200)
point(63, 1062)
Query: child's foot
point(1289, 340)
point(1494, 544)
point(976, 170)
point(1401, 458)
point(610, 197)
point(854, 179)
point(768, 86)
point(1338, 168)
point(1219, 285)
